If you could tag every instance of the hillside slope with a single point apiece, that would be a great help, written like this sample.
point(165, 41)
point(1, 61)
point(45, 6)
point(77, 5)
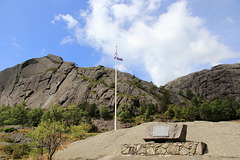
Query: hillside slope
point(220, 81)
point(42, 82)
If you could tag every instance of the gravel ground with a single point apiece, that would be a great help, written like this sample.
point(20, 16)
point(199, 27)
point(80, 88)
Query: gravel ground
point(222, 139)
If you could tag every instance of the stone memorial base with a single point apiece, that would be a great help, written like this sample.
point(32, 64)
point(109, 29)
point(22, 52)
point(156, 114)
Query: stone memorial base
point(174, 148)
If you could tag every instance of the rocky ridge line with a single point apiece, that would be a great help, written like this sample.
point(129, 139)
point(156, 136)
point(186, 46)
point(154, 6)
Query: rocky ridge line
point(42, 82)
point(218, 82)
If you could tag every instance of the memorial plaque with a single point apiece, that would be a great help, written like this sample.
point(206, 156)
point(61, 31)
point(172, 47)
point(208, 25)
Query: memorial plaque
point(160, 131)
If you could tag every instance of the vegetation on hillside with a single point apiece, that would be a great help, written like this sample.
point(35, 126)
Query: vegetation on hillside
point(59, 123)
point(52, 127)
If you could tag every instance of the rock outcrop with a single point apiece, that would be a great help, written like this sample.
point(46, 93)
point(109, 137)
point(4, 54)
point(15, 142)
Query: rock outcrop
point(42, 82)
point(220, 81)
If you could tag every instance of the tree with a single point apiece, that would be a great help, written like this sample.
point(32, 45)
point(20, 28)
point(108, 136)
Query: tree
point(189, 94)
point(74, 115)
point(190, 113)
point(80, 130)
point(169, 113)
point(105, 113)
point(165, 99)
point(54, 114)
point(3, 116)
point(34, 116)
point(92, 110)
point(177, 112)
point(16, 115)
point(48, 134)
point(204, 111)
point(124, 112)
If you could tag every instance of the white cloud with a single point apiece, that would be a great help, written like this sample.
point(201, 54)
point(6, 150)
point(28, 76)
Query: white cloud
point(229, 20)
point(43, 50)
point(66, 40)
point(15, 44)
point(164, 45)
point(71, 22)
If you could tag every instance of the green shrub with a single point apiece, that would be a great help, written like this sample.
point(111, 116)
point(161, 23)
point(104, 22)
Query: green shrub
point(112, 85)
point(80, 130)
point(17, 153)
point(189, 94)
point(54, 69)
point(8, 149)
point(152, 89)
point(20, 150)
point(7, 139)
point(9, 129)
point(34, 116)
point(217, 110)
point(180, 92)
point(238, 113)
point(105, 113)
point(125, 112)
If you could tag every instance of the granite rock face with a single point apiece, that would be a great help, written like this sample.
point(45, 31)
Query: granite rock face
point(42, 82)
point(220, 81)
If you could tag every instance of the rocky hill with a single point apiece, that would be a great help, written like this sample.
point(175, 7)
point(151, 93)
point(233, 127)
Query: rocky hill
point(41, 82)
point(220, 81)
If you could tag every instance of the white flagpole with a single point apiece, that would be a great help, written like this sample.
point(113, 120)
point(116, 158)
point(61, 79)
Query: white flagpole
point(115, 121)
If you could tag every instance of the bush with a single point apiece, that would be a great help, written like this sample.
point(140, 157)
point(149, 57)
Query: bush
point(54, 69)
point(16, 115)
point(105, 113)
point(9, 129)
point(125, 112)
point(34, 116)
point(49, 134)
point(180, 92)
point(217, 110)
point(238, 113)
point(189, 94)
point(16, 150)
point(112, 85)
point(17, 153)
point(152, 89)
point(20, 150)
point(80, 130)
point(8, 139)
point(8, 149)
point(92, 110)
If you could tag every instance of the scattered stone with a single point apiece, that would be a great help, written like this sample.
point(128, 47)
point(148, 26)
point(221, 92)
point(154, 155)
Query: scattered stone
point(200, 148)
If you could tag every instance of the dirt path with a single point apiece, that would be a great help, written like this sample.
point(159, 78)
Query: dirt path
point(222, 139)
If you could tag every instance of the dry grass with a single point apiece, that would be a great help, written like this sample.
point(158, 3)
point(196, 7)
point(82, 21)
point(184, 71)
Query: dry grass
point(237, 121)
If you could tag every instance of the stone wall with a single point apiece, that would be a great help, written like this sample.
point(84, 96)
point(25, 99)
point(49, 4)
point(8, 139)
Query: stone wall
point(175, 148)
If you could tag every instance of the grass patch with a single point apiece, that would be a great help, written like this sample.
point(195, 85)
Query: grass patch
point(54, 69)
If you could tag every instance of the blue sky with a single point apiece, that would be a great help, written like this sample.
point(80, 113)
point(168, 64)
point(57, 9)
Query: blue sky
point(159, 40)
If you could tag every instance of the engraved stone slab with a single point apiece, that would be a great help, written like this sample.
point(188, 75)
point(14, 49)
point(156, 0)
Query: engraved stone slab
point(161, 131)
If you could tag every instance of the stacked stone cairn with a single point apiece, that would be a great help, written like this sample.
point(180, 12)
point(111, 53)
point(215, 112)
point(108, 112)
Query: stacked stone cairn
point(165, 140)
